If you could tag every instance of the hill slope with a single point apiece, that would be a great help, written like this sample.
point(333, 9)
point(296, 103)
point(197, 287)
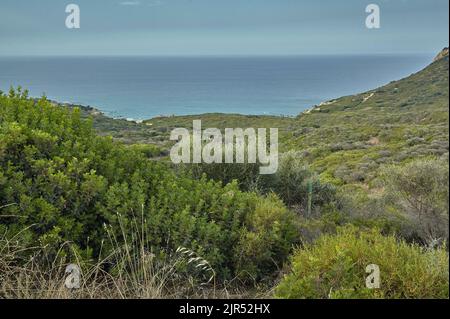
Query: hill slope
point(353, 135)
point(347, 139)
point(64, 190)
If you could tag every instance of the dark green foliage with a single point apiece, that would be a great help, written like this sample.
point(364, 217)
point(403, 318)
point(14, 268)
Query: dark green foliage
point(67, 182)
point(289, 182)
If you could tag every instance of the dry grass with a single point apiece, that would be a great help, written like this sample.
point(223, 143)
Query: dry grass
point(130, 271)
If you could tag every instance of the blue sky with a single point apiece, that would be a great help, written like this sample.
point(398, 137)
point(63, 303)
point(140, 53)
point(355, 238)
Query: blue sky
point(222, 27)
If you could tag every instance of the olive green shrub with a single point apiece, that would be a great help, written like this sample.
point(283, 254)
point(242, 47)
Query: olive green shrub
point(335, 267)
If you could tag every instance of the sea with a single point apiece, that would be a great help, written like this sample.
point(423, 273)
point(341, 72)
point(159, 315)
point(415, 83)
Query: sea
point(139, 88)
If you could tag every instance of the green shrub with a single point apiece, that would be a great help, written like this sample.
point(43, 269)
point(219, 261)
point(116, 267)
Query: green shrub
point(66, 183)
point(334, 267)
point(289, 182)
point(419, 191)
point(148, 150)
point(274, 229)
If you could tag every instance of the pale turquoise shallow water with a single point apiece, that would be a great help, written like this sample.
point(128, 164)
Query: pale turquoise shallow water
point(144, 87)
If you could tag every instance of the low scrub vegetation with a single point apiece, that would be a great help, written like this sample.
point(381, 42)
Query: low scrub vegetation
point(60, 182)
point(335, 267)
point(362, 180)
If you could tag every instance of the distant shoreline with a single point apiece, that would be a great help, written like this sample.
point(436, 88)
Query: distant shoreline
point(96, 112)
point(141, 89)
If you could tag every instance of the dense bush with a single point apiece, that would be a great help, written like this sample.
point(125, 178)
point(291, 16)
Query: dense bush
point(290, 182)
point(246, 174)
point(409, 199)
point(419, 191)
point(64, 183)
point(335, 267)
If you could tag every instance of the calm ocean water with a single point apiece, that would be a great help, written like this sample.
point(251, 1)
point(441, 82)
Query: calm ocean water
point(141, 88)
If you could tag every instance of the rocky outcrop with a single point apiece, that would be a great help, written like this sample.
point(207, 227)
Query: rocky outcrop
point(441, 54)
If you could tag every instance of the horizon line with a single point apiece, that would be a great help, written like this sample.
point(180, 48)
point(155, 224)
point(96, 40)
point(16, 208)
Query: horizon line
point(213, 55)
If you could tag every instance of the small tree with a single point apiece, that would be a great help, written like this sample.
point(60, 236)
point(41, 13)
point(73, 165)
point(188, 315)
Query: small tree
point(420, 191)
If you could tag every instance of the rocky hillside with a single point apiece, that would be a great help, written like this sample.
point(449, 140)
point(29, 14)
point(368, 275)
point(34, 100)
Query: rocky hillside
point(442, 54)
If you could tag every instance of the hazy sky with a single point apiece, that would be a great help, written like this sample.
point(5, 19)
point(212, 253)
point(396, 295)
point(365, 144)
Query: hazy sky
point(222, 27)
